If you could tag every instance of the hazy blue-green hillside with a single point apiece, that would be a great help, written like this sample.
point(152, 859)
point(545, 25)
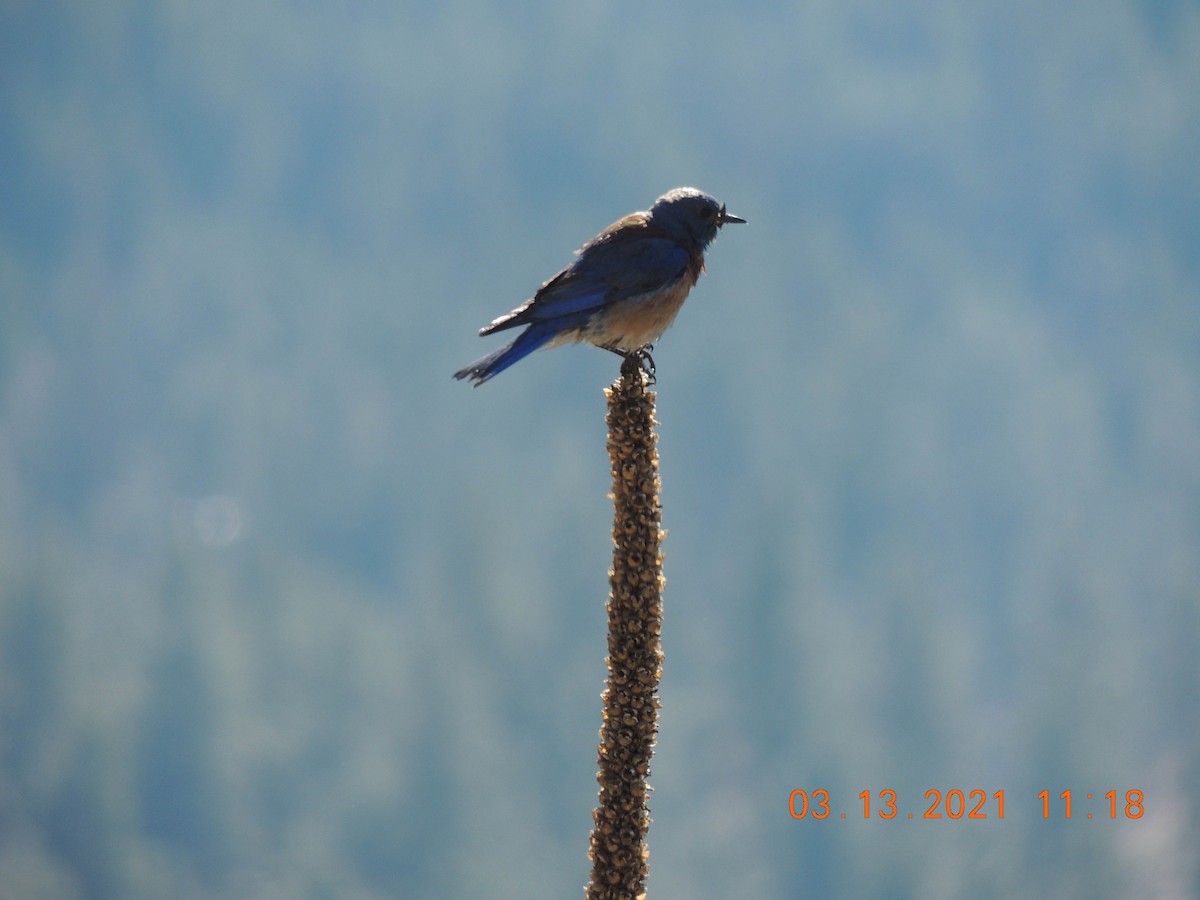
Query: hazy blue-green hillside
point(287, 612)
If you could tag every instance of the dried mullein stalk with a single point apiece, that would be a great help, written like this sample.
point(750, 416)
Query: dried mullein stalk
point(619, 854)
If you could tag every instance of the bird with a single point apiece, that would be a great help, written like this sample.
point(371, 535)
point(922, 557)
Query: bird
point(622, 290)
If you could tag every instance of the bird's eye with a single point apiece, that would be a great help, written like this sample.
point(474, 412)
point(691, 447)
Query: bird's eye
point(706, 212)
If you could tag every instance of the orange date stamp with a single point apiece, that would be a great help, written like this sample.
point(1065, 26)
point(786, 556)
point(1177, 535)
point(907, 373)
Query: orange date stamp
point(962, 804)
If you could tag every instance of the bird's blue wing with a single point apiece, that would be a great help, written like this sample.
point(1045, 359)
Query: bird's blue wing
point(614, 266)
point(637, 266)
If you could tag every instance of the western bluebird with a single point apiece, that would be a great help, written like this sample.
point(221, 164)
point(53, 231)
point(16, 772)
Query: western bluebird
point(623, 289)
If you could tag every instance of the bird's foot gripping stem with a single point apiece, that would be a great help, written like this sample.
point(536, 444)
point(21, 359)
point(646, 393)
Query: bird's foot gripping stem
point(637, 359)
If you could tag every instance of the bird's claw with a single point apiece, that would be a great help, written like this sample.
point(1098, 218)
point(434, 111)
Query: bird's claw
point(640, 359)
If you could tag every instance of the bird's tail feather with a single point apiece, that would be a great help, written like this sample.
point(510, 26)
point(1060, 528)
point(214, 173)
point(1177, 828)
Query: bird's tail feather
point(494, 363)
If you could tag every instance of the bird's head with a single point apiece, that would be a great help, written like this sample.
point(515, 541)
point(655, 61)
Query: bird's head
point(691, 215)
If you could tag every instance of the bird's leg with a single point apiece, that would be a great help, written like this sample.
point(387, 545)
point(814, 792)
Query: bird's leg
point(647, 362)
point(641, 359)
point(611, 349)
point(635, 359)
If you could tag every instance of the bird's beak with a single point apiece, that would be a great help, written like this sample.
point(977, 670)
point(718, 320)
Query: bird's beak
point(730, 217)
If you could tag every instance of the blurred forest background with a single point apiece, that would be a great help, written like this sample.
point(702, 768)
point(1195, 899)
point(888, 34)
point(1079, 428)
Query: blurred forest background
point(286, 612)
